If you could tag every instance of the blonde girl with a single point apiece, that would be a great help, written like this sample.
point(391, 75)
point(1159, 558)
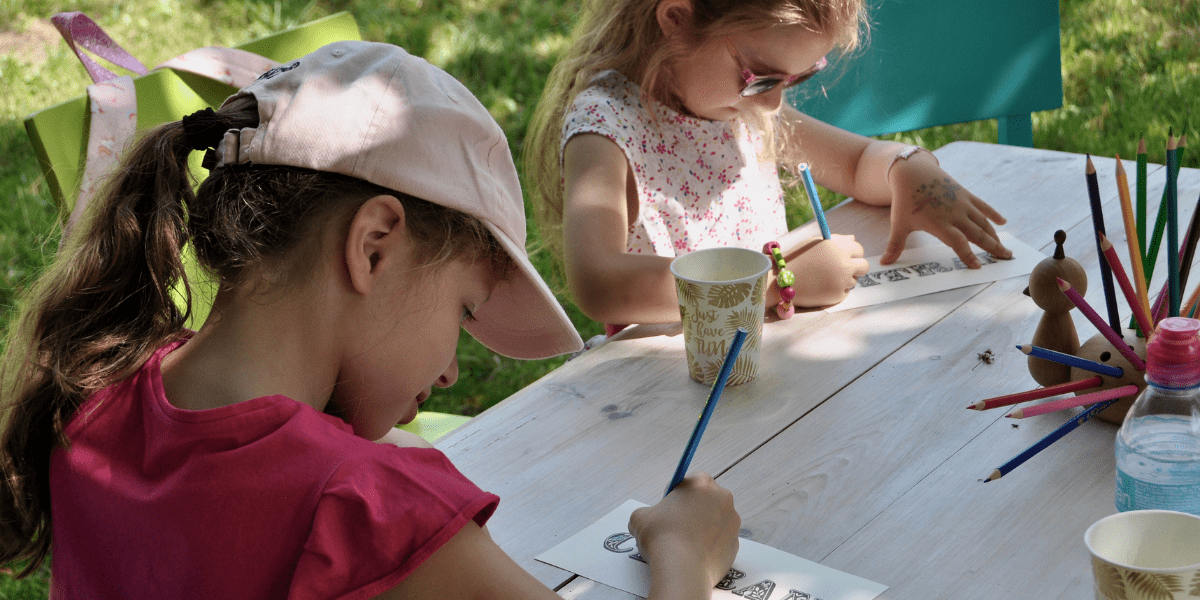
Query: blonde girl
point(362, 206)
point(662, 129)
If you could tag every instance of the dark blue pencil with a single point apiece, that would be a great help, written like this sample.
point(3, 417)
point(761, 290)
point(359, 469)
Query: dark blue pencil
point(1106, 278)
point(810, 188)
point(713, 395)
point(1052, 437)
point(1071, 360)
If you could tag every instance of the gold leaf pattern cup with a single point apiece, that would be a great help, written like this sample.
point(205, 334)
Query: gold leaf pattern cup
point(721, 289)
point(1146, 555)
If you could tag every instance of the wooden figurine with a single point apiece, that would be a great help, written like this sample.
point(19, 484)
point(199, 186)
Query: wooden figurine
point(1098, 348)
point(1056, 329)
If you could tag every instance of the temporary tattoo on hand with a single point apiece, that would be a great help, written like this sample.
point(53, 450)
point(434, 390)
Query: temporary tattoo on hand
point(937, 194)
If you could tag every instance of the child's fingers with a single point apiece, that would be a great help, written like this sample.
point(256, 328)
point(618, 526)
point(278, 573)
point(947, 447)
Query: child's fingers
point(991, 213)
point(895, 245)
point(988, 239)
point(960, 244)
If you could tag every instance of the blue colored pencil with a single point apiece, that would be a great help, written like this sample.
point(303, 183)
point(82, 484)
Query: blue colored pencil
point(1052, 437)
point(1071, 360)
point(810, 188)
point(1106, 278)
point(713, 395)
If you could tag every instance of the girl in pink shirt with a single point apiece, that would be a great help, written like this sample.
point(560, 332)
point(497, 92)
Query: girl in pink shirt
point(361, 208)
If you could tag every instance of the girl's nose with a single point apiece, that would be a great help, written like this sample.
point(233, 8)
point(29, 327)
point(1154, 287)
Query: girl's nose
point(448, 378)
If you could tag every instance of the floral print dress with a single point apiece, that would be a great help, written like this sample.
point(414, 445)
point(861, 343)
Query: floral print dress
point(700, 183)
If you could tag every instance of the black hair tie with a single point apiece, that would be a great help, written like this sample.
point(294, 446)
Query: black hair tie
point(204, 129)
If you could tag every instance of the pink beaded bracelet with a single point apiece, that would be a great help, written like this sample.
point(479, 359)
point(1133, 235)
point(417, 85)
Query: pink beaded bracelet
point(784, 278)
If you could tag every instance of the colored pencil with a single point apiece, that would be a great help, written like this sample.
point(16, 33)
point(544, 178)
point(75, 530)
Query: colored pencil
point(1110, 294)
point(1142, 159)
point(1045, 442)
point(1103, 327)
point(1173, 228)
point(714, 394)
point(1065, 403)
point(1140, 312)
point(1136, 255)
point(1071, 360)
point(1038, 394)
point(810, 188)
point(1192, 301)
point(1159, 226)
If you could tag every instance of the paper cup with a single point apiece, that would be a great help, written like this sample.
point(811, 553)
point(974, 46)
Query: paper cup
point(1145, 554)
point(721, 289)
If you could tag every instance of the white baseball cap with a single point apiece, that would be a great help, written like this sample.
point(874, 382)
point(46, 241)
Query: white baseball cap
point(375, 112)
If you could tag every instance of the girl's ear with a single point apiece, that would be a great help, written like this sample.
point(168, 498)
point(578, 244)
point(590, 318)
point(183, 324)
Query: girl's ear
point(673, 16)
point(376, 240)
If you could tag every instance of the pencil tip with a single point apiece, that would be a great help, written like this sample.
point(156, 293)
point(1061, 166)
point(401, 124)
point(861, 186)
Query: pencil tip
point(995, 475)
point(1062, 284)
point(1016, 414)
point(1141, 147)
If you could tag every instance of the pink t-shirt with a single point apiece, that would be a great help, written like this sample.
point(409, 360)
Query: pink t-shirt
point(700, 183)
point(266, 498)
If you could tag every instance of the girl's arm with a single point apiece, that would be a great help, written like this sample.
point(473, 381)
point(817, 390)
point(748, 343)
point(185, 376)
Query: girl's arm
point(689, 539)
point(599, 204)
point(922, 195)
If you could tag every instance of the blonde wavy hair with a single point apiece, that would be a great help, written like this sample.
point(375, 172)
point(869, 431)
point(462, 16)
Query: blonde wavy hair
point(624, 35)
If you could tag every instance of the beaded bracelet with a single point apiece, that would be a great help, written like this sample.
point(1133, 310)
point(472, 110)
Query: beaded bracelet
point(904, 154)
point(785, 279)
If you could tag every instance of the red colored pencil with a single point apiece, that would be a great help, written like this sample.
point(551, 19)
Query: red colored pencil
point(1108, 332)
point(1065, 403)
point(1046, 392)
point(1131, 296)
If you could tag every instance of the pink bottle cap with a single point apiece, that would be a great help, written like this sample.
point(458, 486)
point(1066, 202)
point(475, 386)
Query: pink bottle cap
point(1173, 353)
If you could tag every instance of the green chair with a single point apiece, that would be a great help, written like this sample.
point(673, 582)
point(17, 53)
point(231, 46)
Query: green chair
point(935, 62)
point(59, 138)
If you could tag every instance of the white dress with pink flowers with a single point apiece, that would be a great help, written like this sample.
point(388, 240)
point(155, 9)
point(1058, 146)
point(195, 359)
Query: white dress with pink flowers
point(700, 183)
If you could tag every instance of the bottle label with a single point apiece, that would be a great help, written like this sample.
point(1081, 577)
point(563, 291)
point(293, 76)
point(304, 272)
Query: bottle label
point(1136, 494)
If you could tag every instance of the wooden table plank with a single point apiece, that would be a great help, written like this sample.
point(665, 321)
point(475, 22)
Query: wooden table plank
point(610, 424)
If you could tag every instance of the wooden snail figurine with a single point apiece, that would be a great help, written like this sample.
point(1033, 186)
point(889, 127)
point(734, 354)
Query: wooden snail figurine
point(1056, 331)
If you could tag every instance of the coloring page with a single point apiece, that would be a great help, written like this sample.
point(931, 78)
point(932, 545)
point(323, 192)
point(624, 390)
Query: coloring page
point(932, 269)
point(606, 553)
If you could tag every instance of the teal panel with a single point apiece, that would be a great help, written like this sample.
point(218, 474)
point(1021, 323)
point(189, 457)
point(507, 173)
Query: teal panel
point(935, 62)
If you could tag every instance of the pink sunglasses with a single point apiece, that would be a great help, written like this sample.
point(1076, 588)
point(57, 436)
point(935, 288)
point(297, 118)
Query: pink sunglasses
point(758, 84)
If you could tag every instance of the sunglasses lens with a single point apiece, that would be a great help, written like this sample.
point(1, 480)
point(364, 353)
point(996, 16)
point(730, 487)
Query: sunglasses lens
point(761, 85)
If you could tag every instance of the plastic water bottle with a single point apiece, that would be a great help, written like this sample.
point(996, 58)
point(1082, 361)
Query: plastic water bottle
point(1158, 446)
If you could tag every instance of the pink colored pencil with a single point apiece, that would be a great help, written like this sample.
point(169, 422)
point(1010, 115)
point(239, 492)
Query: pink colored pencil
point(1065, 403)
point(1131, 296)
point(1046, 392)
point(1108, 332)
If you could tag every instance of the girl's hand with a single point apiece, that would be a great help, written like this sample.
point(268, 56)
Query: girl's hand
point(689, 539)
point(925, 198)
point(825, 270)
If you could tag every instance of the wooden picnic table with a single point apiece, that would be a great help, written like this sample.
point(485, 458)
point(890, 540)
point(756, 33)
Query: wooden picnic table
point(853, 447)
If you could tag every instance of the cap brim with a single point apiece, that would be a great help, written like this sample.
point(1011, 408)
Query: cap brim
point(522, 318)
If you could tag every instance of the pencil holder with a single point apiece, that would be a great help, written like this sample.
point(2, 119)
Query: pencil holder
point(1097, 348)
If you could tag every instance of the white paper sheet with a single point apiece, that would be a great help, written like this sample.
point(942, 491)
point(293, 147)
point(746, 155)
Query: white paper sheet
point(604, 553)
point(934, 269)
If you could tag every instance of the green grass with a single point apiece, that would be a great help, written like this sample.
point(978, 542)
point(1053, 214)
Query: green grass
point(1130, 69)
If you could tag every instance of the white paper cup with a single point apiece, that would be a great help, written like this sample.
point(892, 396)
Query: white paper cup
point(1145, 554)
point(721, 289)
